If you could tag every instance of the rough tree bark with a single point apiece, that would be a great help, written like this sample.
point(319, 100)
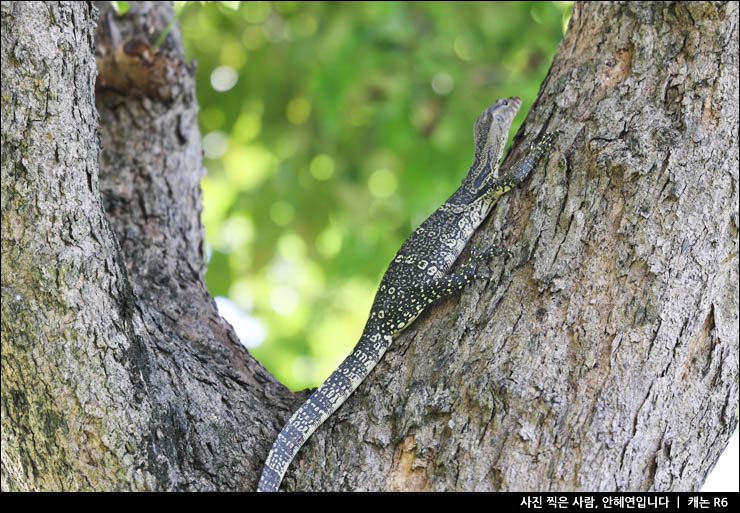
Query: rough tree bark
point(117, 371)
point(602, 356)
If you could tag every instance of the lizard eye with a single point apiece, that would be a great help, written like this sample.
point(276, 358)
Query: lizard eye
point(504, 102)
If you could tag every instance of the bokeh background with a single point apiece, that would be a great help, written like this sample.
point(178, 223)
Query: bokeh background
point(330, 131)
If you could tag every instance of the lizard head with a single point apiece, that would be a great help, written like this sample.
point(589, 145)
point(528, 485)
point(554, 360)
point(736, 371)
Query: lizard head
point(491, 133)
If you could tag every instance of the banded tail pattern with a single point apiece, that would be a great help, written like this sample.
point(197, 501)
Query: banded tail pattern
point(319, 407)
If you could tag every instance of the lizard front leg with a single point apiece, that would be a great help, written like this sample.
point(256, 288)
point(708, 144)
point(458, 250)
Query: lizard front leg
point(520, 170)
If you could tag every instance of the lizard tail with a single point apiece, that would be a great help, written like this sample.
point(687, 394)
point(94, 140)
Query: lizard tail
point(319, 406)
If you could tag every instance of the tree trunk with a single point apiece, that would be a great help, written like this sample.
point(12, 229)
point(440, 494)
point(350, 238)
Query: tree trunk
point(117, 371)
point(603, 355)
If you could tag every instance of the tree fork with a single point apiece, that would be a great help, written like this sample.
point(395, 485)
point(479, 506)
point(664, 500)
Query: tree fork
point(602, 356)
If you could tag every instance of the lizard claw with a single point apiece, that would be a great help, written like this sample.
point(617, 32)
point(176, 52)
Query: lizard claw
point(484, 256)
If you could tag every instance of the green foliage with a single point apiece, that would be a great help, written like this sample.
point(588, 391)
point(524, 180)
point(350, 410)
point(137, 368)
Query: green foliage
point(120, 7)
point(331, 130)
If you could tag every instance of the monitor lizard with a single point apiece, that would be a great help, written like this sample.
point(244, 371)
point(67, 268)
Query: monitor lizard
point(417, 276)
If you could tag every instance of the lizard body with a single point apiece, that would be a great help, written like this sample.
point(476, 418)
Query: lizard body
point(416, 277)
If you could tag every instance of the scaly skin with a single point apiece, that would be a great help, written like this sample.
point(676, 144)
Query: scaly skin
point(416, 277)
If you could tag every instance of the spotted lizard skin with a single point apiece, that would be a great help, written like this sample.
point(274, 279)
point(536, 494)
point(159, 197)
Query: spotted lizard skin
point(417, 276)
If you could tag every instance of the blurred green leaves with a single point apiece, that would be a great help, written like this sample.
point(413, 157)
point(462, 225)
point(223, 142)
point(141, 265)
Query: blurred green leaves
point(330, 131)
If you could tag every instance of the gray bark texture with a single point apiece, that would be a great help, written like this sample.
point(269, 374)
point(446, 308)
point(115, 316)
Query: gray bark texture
point(602, 355)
